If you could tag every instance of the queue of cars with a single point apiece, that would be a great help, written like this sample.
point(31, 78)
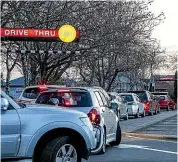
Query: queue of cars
point(89, 114)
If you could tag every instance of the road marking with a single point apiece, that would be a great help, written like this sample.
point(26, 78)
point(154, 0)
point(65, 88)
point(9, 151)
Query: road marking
point(144, 148)
point(152, 139)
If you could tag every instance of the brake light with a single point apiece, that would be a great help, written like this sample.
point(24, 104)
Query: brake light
point(63, 90)
point(94, 116)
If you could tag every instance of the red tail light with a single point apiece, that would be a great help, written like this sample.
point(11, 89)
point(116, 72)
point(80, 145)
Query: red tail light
point(94, 116)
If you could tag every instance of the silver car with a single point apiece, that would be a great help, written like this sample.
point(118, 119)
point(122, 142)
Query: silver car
point(122, 111)
point(95, 104)
point(44, 133)
point(134, 105)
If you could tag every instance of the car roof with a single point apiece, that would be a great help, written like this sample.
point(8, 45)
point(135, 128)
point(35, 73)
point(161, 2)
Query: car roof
point(78, 89)
point(126, 93)
point(38, 86)
point(135, 91)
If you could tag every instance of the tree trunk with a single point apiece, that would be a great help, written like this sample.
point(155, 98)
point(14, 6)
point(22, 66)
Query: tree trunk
point(7, 82)
point(112, 80)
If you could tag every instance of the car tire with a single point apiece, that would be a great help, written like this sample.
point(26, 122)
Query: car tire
point(55, 146)
point(126, 117)
point(143, 115)
point(103, 149)
point(118, 136)
point(137, 114)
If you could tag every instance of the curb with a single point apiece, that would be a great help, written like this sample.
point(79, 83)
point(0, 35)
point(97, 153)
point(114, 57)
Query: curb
point(151, 136)
point(150, 124)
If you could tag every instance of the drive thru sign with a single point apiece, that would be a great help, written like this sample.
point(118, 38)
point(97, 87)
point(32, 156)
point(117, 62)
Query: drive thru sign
point(66, 33)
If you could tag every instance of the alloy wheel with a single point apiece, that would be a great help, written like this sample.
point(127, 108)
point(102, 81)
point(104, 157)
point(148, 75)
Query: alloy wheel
point(67, 153)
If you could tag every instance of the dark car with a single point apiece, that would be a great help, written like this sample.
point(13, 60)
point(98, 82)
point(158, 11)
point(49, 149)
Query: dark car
point(151, 105)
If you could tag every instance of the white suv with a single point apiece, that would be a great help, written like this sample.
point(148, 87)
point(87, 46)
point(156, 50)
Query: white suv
point(95, 104)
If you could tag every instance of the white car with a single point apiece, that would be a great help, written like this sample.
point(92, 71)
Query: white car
point(30, 93)
point(134, 106)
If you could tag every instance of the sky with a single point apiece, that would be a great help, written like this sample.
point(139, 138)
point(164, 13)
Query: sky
point(166, 32)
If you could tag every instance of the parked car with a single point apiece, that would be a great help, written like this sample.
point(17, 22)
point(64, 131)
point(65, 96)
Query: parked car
point(151, 104)
point(165, 100)
point(30, 93)
point(122, 111)
point(134, 106)
point(44, 133)
point(95, 104)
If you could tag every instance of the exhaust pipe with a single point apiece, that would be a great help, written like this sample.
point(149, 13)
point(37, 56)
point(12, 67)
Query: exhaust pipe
point(100, 145)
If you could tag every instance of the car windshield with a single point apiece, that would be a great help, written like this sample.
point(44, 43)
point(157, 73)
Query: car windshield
point(66, 99)
point(142, 95)
point(128, 98)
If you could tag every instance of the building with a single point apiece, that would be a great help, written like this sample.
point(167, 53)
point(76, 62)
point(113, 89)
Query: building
point(15, 88)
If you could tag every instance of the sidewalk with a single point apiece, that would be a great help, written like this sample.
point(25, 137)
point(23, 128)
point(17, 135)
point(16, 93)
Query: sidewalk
point(133, 125)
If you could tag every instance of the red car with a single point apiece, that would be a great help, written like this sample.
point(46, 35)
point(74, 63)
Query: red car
point(166, 102)
point(151, 104)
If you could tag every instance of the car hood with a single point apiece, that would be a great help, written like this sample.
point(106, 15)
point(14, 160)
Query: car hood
point(54, 109)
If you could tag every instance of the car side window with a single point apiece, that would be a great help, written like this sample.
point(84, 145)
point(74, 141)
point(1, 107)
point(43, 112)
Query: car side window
point(103, 99)
point(10, 107)
point(100, 101)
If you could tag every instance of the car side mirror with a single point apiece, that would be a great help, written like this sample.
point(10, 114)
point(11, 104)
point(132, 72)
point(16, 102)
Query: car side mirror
point(114, 106)
point(4, 104)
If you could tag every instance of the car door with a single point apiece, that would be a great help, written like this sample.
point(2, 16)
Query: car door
point(10, 132)
point(111, 117)
point(123, 108)
point(140, 105)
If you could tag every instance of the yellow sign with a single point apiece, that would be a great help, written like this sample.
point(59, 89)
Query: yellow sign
point(67, 33)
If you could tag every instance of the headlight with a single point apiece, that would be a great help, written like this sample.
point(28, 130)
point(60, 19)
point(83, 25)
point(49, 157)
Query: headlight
point(87, 122)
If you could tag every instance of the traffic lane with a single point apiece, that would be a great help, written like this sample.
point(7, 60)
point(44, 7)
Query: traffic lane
point(134, 124)
point(139, 150)
point(166, 127)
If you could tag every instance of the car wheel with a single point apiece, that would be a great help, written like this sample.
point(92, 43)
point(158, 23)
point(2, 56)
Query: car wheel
point(118, 136)
point(127, 116)
point(103, 149)
point(60, 149)
point(143, 115)
point(137, 114)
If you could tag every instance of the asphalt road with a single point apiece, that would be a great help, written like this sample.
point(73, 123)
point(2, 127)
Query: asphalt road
point(166, 127)
point(134, 124)
point(134, 149)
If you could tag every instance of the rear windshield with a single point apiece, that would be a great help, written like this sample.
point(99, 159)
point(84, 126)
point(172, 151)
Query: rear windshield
point(128, 98)
point(162, 97)
point(32, 93)
point(66, 99)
